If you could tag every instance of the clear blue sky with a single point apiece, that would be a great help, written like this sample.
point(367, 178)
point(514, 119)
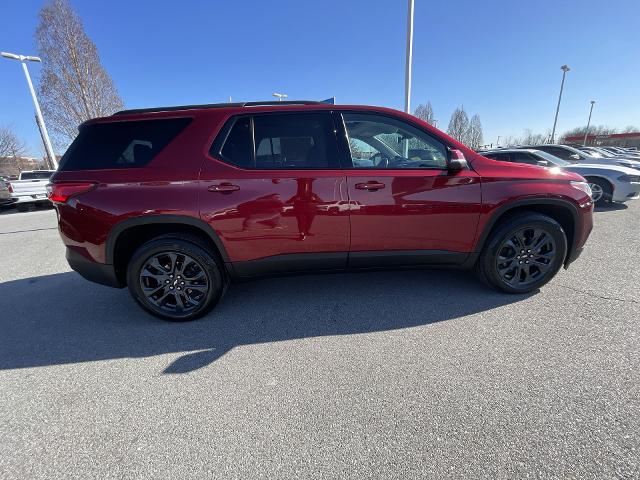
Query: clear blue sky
point(500, 59)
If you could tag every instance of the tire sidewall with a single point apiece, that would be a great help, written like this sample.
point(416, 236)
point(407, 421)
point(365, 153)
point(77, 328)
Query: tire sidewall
point(206, 260)
point(509, 229)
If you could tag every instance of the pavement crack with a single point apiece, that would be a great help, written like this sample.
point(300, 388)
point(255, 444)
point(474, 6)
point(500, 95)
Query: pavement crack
point(601, 297)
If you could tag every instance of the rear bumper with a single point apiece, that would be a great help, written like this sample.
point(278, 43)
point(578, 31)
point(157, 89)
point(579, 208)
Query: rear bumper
point(95, 272)
point(36, 198)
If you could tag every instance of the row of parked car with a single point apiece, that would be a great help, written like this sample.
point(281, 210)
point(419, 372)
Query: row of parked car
point(613, 173)
point(29, 189)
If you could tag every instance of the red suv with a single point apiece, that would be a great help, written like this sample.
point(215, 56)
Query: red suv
point(175, 202)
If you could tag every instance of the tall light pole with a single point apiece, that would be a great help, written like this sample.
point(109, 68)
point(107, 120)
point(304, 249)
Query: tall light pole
point(584, 142)
point(45, 134)
point(280, 96)
point(408, 60)
point(564, 69)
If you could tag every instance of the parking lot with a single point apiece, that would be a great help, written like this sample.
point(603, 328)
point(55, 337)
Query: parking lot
point(387, 374)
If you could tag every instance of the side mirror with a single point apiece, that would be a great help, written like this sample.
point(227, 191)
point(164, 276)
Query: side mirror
point(543, 163)
point(575, 156)
point(457, 161)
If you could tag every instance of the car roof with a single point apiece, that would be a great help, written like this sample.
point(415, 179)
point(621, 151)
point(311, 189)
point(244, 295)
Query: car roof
point(217, 105)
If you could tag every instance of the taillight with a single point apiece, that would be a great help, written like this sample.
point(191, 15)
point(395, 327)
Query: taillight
point(62, 192)
point(10, 189)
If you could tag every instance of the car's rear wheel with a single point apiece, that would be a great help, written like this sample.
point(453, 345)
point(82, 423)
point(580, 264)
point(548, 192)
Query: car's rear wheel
point(601, 191)
point(523, 253)
point(176, 278)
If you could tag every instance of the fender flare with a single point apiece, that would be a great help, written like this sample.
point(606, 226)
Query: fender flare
point(503, 209)
point(161, 219)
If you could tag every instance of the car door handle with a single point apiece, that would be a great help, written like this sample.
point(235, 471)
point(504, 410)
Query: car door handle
point(371, 186)
point(223, 188)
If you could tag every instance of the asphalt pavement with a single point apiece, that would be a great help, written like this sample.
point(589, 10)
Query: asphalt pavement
point(389, 375)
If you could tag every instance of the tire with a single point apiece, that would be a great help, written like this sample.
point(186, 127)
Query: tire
point(191, 286)
point(514, 261)
point(603, 188)
point(22, 207)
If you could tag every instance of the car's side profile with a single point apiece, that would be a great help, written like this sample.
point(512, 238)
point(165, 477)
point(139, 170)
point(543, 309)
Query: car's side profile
point(574, 155)
point(175, 202)
point(608, 183)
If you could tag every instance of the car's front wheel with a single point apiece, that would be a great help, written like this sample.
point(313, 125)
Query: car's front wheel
point(175, 278)
point(523, 253)
point(601, 191)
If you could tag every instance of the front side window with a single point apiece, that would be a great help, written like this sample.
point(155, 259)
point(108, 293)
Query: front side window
point(523, 157)
point(377, 141)
point(502, 157)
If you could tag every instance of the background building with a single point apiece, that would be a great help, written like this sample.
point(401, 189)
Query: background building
point(631, 139)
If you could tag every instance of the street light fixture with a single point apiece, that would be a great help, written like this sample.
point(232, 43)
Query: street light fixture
point(280, 96)
point(45, 135)
point(584, 142)
point(565, 69)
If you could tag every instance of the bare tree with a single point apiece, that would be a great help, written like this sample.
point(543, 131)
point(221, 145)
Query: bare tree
point(630, 129)
point(10, 144)
point(530, 138)
point(425, 112)
point(459, 125)
point(593, 130)
point(474, 135)
point(74, 86)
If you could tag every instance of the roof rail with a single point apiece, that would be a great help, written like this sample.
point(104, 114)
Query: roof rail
point(214, 105)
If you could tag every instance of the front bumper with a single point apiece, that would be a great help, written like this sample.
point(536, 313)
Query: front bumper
point(101, 273)
point(625, 191)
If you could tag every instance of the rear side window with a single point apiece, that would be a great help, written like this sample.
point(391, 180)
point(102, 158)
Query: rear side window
point(35, 175)
point(281, 141)
point(120, 144)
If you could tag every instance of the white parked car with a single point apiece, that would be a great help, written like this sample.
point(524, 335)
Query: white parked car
point(573, 155)
point(31, 188)
point(609, 183)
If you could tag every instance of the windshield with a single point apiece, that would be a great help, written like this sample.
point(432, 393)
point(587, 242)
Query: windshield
point(552, 159)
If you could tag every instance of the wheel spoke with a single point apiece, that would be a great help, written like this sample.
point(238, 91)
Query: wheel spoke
point(159, 277)
point(179, 302)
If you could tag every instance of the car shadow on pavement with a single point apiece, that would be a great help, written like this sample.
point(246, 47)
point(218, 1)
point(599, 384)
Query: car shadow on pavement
point(62, 318)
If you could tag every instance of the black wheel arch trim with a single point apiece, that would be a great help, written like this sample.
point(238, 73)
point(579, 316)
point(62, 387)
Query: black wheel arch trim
point(504, 209)
point(161, 219)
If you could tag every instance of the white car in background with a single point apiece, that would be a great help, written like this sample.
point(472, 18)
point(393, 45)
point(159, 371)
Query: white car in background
point(31, 189)
point(573, 155)
point(609, 183)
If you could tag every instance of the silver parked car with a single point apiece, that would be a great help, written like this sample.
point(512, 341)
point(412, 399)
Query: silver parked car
point(573, 155)
point(609, 183)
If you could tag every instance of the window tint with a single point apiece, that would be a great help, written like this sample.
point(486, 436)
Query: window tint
point(295, 141)
point(120, 144)
point(502, 157)
point(35, 175)
point(523, 157)
point(396, 144)
point(558, 152)
point(282, 141)
point(237, 147)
